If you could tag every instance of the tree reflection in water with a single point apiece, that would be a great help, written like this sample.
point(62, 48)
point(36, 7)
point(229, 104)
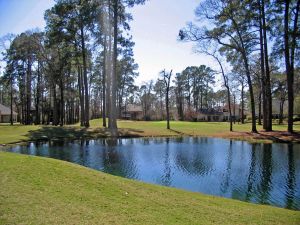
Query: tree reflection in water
point(260, 173)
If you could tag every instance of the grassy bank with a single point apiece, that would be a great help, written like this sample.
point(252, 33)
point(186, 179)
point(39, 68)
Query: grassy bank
point(45, 191)
point(12, 134)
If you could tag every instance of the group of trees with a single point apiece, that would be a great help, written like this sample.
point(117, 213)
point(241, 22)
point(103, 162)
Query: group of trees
point(180, 96)
point(244, 32)
point(82, 65)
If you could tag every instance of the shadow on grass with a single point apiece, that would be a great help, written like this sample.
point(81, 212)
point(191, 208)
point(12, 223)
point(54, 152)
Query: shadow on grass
point(178, 132)
point(52, 133)
point(274, 136)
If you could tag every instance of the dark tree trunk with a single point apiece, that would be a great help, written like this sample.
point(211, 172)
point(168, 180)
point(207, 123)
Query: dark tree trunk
point(109, 66)
point(289, 72)
point(104, 82)
point(243, 105)
point(229, 107)
point(11, 100)
point(161, 105)
point(262, 69)
point(280, 121)
point(234, 115)
point(113, 109)
point(81, 96)
point(167, 109)
point(85, 79)
point(289, 58)
point(259, 108)
point(268, 79)
point(62, 113)
point(55, 111)
point(167, 79)
point(38, 94)
point(28, 93)
point(252, 102)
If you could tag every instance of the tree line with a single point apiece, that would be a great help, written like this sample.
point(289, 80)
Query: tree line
point(244, 33)
point(81, 66)
point(81, 63)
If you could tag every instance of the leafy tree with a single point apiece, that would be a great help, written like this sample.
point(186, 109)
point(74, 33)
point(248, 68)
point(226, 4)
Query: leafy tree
point(230, 30)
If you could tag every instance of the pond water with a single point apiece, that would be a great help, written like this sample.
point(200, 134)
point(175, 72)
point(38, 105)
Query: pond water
point(259, 173)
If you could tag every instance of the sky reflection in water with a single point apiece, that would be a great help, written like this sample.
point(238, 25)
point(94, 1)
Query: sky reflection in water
point(259, 173)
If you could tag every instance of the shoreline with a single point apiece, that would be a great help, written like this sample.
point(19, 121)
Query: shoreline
point(252, 138)
point(18, 134)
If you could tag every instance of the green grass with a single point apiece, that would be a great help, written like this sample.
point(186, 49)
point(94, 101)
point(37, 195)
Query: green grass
point(15, 133)
point(38, 190)
point(12, 134)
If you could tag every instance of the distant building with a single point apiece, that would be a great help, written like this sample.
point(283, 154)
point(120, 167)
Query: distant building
point(236, 112)
point(132, 112)
point(220, 114)
point(5, 114)
point(210, 115)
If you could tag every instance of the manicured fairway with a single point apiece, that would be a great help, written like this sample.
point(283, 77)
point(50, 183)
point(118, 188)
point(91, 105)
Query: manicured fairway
point(45, 191)
point(17, 133)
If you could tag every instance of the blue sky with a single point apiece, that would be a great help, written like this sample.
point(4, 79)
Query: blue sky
point(154, 29)
point(17, 16)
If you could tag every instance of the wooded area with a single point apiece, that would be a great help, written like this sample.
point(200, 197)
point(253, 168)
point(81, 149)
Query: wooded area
point(81, 66)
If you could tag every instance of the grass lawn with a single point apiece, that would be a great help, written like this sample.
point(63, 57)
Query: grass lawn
point(38, 190)
point(12, 134)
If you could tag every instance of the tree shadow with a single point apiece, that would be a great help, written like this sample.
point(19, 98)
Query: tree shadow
point(52, 133)
point(277, 136)
point(178, 132)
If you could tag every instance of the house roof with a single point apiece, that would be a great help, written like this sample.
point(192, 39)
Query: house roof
point(5, 110)
point(210, 111)
point(134, 108)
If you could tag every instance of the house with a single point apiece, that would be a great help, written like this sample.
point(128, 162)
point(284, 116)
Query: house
point(219, 114)
point(210, 115)
point(132, 112)
point(5, 114)
point(236, 112)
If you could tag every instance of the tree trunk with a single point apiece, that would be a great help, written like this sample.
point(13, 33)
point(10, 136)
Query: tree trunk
point(225, 78)
point(243, 105)
point(167, 109)
point(262, 69)
point(85, 80)
point(234, 115)
point(28, 93)
point(259, 108)
point(289, 72)
point(11, 100)
point(290, 57)
point(268, 79)
point(252, 102)
point(81, 96)
point(104, 82)
point(55, 111)
point(280, 121)
point(37, 106)
point(62, 113)
point(167, 79)
point(109, 66)
point(113, 109)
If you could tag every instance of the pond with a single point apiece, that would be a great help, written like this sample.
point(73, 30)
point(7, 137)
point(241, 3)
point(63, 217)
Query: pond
point(259, 173)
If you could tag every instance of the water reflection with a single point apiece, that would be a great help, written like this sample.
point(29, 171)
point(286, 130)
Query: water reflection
point(166, 178)
point(260, 173)
point(290, 179)
point(266, 173)
point(251, 176)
